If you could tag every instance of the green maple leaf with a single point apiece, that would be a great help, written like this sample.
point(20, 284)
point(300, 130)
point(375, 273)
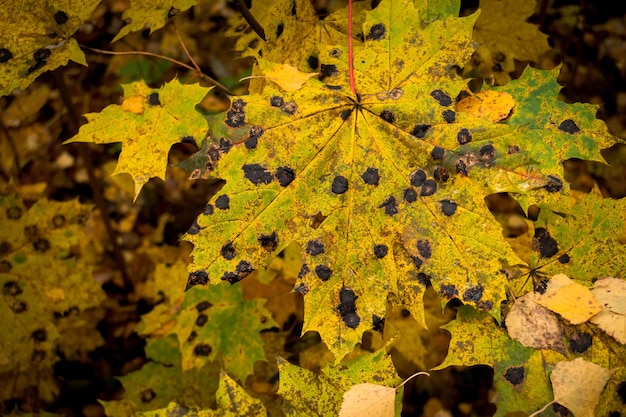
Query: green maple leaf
point(148, 123)
point(381, 190)
point(307, 393)
point(38, 38)
point(151, 13)
point(520, 373)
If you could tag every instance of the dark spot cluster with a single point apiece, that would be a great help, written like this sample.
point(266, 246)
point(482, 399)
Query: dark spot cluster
point(347, 307)
point(428, 187)
point(301, 288)
point(199, 277)
point(515, 375)
point(442, 98)
point(569, 126)
point(425, 251)
point(253, 139)
point(473, 294)
point(543, 243)
point(554, 184)
point(242, 270)
point(258, 174)
point(380, 251)
point(304, 270)
point(420, 130)
point(153, 99)
point(41, 58)
point(5, 55)
point(377, 32)
point(269, 242)
point(448, 291)
point(235, 117)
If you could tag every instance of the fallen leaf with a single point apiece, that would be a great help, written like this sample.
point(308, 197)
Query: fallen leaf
point(572, 301)
point(578, 384)
point(368, 400)
point(284, 75)
point(612, 319)
point(533, 325)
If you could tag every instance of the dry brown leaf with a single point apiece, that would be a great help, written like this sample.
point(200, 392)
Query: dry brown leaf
point(572, 301)
point(578, 384)
point(533, 325)
point(610, 292)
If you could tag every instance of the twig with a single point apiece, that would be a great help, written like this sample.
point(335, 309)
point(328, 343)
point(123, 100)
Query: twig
point(193, 61)
point(93, 181)
point(254, 24)
point(182, 64)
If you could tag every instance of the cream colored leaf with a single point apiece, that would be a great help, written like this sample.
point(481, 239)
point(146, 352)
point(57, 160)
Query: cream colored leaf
point(612, 319)
point(572, 301)
point(533, 325)
point(288, 78)
point(578, 384)
point(368, 400)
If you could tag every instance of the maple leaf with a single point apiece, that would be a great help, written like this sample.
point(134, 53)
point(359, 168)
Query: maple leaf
point(154, 14)
point(39, 38)
point(148, 123)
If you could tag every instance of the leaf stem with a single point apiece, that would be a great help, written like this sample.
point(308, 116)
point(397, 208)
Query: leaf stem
point(254, 24)
point(205, 77)
point(411, 377)
point(350, 49)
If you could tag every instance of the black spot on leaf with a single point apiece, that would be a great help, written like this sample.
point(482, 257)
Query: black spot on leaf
point(285, 176)
point(172, 12)
point(441, 97)
point(147, 395)
point(462, 94)
point(5, 247)
point(564, 258)
point(58, 221)
point(257, 174)
point(38, 355)
point(461, 167)
point(279, 30)
point(424, 248)
point(437, 153)
point(304, 270)
point(419, 131)
point(345, 114)
point(61, 17)
point(31, 232)
point(417, 261)
point(473, 294)
point(290, 108)
point(5, 266)
point(255, 133)
point(569, 126)
point(153, 99)
point(203, 305)
point(301, 288)
point(323, 272)
point(14, 213)
point(487, 152)
point(243, 269)
point(199, 277)
point(428, 188)
point(351, 320)
point(441, 174)
point(39, 335)
point(332, 87)
point(485, 305)
point(188, 139)
point(277, 101)
point(201, 319)
point(377, 32)
point(417, 178)
point(387, 116)
point(515, 375)
point(5, 55)
point(378, 323)
point(370, 176)
point(380, 251)
point(327, 70)
point(448, 291)
point(621, 391)
point(225, 145)
point(313, 62)
point(390, 205)
point(208, 210)
point(314, 247)
point(423, 279)
point(222, 202)
point(202, 349)
point(11, 288)
point(544, 243)
point(41, 245)
point(347, 297)
point(335, 53)
point(235, 117)
point(340, 185)
point(554, 184)
point(19, 307)
point(464, 136)
point(228, 251)
point(580, 342)
point(513, 149)
point(448, 207)
point(409, 195)
point(449, 116)
point(269, 242)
